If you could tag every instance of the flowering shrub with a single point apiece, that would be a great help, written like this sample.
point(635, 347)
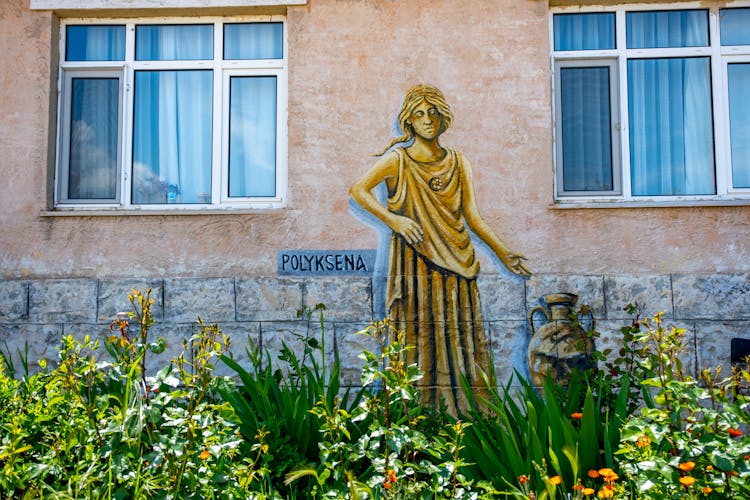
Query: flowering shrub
point(686, 441)
point(95, 428)
point(106, 429)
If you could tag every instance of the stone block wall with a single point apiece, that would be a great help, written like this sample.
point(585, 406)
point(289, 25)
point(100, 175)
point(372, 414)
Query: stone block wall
point(714, 308)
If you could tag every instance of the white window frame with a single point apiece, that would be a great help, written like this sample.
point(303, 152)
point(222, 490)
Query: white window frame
point(125, 71)
point(65, 132)
point(719, 57)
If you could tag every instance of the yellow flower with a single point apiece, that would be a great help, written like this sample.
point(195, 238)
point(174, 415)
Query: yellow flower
point(606, 493)
point(606, 472)
point(643, 441)
point(687, 480)
point(555, 480)
point(588, 491)
point(686, 466)
point(706, 490)
point(205, 455)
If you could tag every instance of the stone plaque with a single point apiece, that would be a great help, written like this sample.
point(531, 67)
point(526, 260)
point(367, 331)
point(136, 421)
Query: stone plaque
point(326, 262)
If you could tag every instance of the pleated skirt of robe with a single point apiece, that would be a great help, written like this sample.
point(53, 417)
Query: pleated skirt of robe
point(439, 312)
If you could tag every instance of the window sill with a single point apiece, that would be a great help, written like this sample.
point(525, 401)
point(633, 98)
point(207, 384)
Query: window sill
point(587, 204)
point(72, 5)
point(118, 212)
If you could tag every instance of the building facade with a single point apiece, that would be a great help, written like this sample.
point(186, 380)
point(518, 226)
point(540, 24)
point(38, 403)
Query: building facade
point(197, 148)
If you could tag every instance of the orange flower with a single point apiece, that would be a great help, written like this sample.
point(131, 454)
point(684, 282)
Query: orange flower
point(732, 473)
point(390, 479)
point(687, 480)
point(643, 441)
point(686, 466)
point(593, 473)
point(606, 472)
point(611, 478)
point(706, 490)
point(588, 491)
point(555, 480)
point(709, 468)
point(734, 432)
point(578, 487)
point(205, 455)
point(576, 415)
point(523, 479)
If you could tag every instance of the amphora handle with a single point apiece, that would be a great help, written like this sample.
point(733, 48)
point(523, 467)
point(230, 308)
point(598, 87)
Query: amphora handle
point(534, 310)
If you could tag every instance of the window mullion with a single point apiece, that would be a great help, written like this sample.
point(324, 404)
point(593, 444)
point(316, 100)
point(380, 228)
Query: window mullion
point(217, 184)
point(722, 163)
point(127, 136)
point(624, 126)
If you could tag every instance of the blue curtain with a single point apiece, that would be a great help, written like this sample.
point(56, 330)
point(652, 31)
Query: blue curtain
point(589, 31)
point(668, 28)
point(95, 43)
point(586, 128)
point(739, 122)
point(174, 42)
point(92, 162)
point(734, 25)
point(253, 41)
point(671, 134)
point(252, 136)
point(172, 136)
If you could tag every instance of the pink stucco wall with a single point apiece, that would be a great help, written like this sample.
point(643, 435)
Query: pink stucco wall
point(349, 64)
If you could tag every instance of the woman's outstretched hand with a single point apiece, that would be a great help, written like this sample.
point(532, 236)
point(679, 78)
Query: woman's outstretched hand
point(406, 227)
point(514, 263)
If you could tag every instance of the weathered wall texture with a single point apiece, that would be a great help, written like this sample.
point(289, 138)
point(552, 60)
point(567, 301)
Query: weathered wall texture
point(350, 62)
point(712, 308)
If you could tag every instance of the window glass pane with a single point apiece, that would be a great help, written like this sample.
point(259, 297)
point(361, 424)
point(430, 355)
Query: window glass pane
point(669, 28)
point(95, 43)
point(586, 137)
point(584, 31)
point(92, 164)
point(252, 136)
point(253, 41)
point(172, 134)
point(734, 26)
point(739, 123)
point(671, 131)
point(174, 42)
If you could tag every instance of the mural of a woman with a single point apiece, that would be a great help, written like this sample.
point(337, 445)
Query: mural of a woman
point(432, 293)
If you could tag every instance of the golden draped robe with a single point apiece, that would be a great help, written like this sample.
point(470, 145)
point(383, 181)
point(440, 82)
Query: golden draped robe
point(432, 295)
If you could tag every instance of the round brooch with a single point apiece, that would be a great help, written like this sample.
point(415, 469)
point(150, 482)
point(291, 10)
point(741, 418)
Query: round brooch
point(436, 183)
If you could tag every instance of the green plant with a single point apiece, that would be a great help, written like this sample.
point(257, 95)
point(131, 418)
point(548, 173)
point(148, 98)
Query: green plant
point(519, 441)
point(277, 405)
point(394, 457)
point(687, 441)
point(93, 428)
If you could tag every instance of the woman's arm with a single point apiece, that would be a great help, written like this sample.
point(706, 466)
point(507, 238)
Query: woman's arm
point(385, 169)
point(513, 261)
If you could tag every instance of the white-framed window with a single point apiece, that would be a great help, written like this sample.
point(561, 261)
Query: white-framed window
point(651, 103)
point(183, 113)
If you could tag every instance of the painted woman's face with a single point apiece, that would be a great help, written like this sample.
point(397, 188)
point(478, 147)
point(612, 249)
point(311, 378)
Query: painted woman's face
point(425, 119)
